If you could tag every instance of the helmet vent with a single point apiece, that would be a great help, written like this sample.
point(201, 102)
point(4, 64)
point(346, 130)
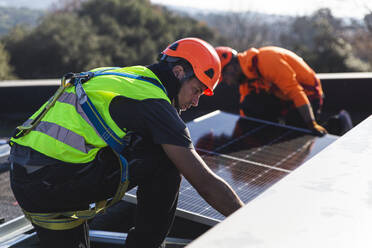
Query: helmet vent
point(224, 55)
point(174, 47)
point(209, 73)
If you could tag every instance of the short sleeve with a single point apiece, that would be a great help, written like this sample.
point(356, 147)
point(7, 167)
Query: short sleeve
point(154, 119)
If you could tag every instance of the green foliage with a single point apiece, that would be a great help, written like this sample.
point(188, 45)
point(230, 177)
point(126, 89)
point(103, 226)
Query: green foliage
point(368, 21)
point(329, 44)
point(56, 45)
point(82, 34)
point(5, 69)
point(10, 17)
point(242, 30)
point(361, 42)
point(317, 39)
point(99, 33)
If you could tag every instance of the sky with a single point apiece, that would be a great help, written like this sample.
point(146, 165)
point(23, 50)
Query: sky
point(339, 8)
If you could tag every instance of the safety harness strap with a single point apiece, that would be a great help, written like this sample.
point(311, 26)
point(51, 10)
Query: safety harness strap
point(65, 220)
point(71, 219)
point(142, 78)
point(29, 125)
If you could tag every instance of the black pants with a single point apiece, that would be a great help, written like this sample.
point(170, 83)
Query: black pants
point(65, 187)
point(268, 107)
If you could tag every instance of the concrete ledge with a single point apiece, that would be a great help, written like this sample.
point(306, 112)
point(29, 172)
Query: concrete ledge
point(349, 91)
point(25, 83)
point(20, 98)
point(344, 75)
point(327, 202)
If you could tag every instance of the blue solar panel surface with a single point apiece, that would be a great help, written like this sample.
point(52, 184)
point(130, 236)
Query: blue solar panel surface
point(251, 155)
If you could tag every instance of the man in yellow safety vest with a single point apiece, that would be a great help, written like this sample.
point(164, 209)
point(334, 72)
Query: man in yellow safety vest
point(106, 124)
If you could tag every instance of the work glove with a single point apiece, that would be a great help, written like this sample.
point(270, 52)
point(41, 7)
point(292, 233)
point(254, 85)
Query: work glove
point(307, 114)
point(317, 129)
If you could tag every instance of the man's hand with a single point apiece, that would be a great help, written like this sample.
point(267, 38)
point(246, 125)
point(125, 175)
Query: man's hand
point(210, 186)
point(308, 116)
point(318, 129)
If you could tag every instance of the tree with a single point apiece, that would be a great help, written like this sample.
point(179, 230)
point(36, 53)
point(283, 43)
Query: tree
point(98, 33)
point(61, 43)
point(6, 71)
point(359, 36)
point(242, 30)
point(368, 21)
point(10, 17)
point(318, 39)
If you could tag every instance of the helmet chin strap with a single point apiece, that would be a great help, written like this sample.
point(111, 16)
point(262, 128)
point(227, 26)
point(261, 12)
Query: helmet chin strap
point(176, 104)
point(176, 97)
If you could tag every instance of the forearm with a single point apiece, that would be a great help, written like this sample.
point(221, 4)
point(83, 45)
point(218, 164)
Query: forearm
point(221, 196)
point(211, 187)
point(306, 112)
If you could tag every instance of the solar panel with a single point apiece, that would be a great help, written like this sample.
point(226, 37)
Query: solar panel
point(250, 154)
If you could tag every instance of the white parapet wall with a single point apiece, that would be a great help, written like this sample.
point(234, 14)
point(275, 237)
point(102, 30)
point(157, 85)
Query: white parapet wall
point(327, 202)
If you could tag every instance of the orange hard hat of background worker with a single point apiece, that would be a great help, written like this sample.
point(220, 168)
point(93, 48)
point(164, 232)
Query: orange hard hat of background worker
point(228, 56)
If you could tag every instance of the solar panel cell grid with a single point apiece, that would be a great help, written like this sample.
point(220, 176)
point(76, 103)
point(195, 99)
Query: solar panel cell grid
point(249, 155)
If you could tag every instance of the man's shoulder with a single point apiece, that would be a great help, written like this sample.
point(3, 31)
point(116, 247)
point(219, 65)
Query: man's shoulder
point(152, 103)
point(152, 108)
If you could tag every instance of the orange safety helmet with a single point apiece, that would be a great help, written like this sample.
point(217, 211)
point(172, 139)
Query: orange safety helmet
point(202, 57)
point(225, 54)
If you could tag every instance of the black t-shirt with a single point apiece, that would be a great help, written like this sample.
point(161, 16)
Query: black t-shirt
point(154, 119)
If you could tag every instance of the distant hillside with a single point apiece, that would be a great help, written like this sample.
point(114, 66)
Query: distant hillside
point(206, 15)
point(10, 17)
point(242, 29)
point(34, 4)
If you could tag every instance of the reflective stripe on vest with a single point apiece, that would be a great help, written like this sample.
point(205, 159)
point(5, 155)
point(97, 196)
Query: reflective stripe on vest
point(64, 135)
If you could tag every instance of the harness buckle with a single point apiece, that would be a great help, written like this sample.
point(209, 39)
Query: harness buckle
point(75, 78)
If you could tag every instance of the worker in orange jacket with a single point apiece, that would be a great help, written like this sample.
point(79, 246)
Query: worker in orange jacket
point(274, 84)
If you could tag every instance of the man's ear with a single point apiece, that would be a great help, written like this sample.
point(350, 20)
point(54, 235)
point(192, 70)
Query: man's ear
point(178, 71)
